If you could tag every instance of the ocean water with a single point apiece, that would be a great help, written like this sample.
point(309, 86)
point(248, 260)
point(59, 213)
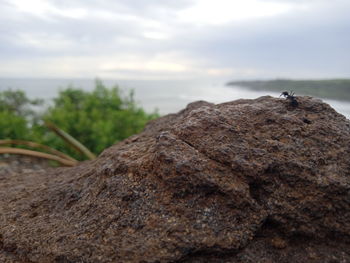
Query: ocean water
point(167, 96)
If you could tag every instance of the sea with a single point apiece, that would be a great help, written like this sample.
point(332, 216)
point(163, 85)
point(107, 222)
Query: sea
point(164, 96)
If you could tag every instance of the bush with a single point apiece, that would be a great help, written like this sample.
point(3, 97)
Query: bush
point(13, 126)
point(17, 115)
point(97, 119)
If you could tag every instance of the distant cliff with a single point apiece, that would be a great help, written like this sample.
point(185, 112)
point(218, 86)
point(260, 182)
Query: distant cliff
point(338, 89)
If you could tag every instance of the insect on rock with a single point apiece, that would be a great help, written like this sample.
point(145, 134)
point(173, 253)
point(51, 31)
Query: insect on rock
point(290, 96)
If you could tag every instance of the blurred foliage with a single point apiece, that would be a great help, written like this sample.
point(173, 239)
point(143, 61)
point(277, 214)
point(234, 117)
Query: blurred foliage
point(12, 125)
point(18, 103)
point(97, 119)
point(17, 115)
point(338, 89)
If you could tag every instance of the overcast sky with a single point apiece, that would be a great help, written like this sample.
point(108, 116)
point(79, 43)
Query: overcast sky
point(175, 39)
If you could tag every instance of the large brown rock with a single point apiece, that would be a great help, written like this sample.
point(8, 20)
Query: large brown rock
point(244, 181)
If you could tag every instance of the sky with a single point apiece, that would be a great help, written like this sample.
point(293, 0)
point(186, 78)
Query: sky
point(175, 39)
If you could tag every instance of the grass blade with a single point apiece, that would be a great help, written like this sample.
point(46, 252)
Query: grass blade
point(71, 141)
point(38, 146)
point(11, 150)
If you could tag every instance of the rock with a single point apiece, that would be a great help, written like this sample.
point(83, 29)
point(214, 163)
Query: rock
point(244, 181)
point(12, 164)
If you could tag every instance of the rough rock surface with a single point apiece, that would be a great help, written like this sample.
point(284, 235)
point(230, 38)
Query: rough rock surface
point(244, 181)
point(12, 164)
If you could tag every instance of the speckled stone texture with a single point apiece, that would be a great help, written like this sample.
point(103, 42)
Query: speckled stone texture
point(244, 181)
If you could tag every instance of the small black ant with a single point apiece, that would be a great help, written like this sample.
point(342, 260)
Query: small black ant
point(290, 96)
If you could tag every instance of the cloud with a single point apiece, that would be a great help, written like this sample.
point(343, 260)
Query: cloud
point(309, 43)
point(174, 39)
point(207, 12)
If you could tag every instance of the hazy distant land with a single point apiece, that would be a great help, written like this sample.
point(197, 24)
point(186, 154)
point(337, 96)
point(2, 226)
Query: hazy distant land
point(338, 89)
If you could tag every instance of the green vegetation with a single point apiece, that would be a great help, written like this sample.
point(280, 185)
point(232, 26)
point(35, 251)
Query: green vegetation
point(17, 115)
point(338, 89)
point(96, 119)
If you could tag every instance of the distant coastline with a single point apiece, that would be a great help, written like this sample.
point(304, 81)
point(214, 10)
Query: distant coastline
point(338, 89)
point(169, 96)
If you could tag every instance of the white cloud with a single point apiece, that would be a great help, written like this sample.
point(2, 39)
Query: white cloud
point(117, 66)
point(218, 12)
point(233, 72)
point(162, 63)
point(45, 41)
point(182, 39)
point(45, 9)
point(155, 35)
